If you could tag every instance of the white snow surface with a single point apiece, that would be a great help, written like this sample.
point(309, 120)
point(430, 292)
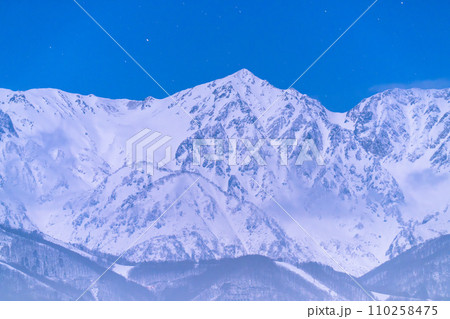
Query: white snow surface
point(383, 188)
point(308, 278)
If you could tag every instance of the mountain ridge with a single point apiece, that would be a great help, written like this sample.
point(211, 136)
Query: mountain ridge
point(240, 73)
point(65, 171)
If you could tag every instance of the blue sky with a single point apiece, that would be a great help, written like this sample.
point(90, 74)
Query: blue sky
point(52, 43)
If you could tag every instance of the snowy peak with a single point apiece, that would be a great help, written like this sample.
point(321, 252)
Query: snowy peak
point(403, 123)
point(63, 168)
point(244, 101)
point(245, 76)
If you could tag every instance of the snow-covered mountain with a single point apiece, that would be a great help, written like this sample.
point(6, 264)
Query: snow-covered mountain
point(422, 272)
point(383, 188)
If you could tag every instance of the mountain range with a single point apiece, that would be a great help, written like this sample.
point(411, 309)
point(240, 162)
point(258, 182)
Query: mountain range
point(70, 204)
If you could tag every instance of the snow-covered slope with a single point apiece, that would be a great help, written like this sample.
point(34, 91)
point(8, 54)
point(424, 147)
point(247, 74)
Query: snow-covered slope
point(383, 187)
point(421, 272)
